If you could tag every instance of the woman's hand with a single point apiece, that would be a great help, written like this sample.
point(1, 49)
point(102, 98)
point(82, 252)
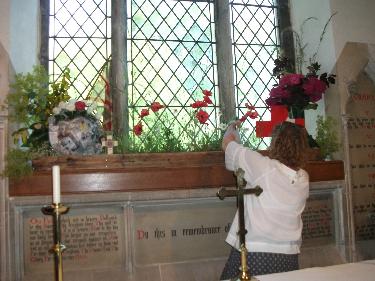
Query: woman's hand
point(231, 134)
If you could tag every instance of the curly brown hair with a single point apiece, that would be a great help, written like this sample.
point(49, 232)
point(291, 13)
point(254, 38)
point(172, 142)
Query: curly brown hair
point(289, 144)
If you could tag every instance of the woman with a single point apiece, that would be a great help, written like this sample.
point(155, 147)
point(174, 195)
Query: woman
point(272, 220)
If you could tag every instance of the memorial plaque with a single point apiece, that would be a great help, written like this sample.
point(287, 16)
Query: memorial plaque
point(319, 220)
point(361, 136)
point(181, 231)
point(94, 237)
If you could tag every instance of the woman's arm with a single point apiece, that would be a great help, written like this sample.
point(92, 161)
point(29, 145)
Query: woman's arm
point(227, 139)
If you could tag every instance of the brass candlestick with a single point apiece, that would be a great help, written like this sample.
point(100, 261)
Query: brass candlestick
point(56, 210)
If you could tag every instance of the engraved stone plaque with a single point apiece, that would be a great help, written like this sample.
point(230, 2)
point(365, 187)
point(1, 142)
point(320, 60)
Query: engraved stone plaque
point(94, 237)
point(175, 232)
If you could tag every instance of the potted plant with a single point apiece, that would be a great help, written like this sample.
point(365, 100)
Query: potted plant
point(326, 136)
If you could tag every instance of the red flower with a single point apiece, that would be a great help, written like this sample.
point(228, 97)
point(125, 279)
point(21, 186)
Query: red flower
point(207, 99)
point(207, 93)
point(199, 104)
point(138, 129)
point(155, 106)
point(80, 106)
point(249, 106)
point(252, 114)
point(202, 116)
point(144, 112)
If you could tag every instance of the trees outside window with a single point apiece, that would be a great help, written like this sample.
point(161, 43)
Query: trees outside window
point(126, 55)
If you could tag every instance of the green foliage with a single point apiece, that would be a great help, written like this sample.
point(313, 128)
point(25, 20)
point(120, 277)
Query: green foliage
point(326, 136)
point(18, 164)
point(31, 103)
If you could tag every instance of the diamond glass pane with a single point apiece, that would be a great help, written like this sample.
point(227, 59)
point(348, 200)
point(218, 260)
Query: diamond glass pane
point(171, 52)
point(79, 40)
point(255, 45)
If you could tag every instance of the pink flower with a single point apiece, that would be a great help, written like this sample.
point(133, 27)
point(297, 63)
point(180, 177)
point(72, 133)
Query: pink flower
point(138, 129)
point(144, 112)
point(279, 92)
point(314, 88)
point(202, 116)
point(156, 106)
point(80, 106)
point(291, 79)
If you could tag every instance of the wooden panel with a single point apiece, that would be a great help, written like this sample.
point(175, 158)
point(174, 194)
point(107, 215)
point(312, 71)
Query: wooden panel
point(147, 171)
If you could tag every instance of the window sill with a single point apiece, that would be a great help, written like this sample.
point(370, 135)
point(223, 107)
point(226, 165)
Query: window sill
point(145, 172)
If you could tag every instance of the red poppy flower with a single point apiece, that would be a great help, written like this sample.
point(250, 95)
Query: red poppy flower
point(202, 116)
point(144, 112)
point(207, 93)
point(252, 114)
point(155, 106)
point(80, 106)
point(199, 104)
point(207, 99)
point(138, 129)
point(249, 106)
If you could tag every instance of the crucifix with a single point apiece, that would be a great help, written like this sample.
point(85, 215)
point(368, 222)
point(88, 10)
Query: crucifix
point(239, 193)
point(109, 143)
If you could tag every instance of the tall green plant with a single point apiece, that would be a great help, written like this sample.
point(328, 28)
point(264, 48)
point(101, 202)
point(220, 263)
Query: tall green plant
point(326, 136)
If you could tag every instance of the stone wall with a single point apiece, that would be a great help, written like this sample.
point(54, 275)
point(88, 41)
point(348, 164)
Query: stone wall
point(160, 235)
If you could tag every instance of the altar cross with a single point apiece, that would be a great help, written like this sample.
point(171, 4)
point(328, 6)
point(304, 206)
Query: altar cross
point(109, 143)
point(239, 193)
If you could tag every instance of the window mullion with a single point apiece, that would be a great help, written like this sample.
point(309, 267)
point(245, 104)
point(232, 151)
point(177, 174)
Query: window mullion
point(119, 68)
point(224, 59)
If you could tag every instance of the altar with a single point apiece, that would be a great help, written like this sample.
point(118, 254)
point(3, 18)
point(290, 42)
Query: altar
point(360, 271)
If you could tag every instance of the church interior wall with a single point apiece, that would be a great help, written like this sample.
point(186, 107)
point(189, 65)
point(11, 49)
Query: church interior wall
point(19, 41)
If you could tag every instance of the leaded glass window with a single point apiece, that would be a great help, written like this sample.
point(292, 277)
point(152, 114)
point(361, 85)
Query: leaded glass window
point(174, 50)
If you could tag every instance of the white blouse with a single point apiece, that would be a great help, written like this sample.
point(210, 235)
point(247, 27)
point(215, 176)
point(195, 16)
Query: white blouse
point(272, 220)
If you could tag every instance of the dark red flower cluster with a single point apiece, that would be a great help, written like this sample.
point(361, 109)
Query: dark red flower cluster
point(155, 106)
point(201, 114)
point(298, 90)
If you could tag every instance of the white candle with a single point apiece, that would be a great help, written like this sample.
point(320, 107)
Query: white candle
point(56, 184)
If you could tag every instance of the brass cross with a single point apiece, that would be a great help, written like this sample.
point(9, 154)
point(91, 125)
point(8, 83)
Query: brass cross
point(239, 193)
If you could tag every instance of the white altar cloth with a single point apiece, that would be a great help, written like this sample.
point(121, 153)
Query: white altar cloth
point(359, 271)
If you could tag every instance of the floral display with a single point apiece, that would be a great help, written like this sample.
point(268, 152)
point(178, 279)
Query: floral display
point(155, 107)
point(296, 90)
point(74, 129)
point(202, 115)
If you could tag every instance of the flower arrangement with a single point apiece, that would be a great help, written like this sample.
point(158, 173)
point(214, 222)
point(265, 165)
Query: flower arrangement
point(31, 103)
point(296, 90)
point(74, 129)
point(71, 109)
point(155, 107)
point(200, 114)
